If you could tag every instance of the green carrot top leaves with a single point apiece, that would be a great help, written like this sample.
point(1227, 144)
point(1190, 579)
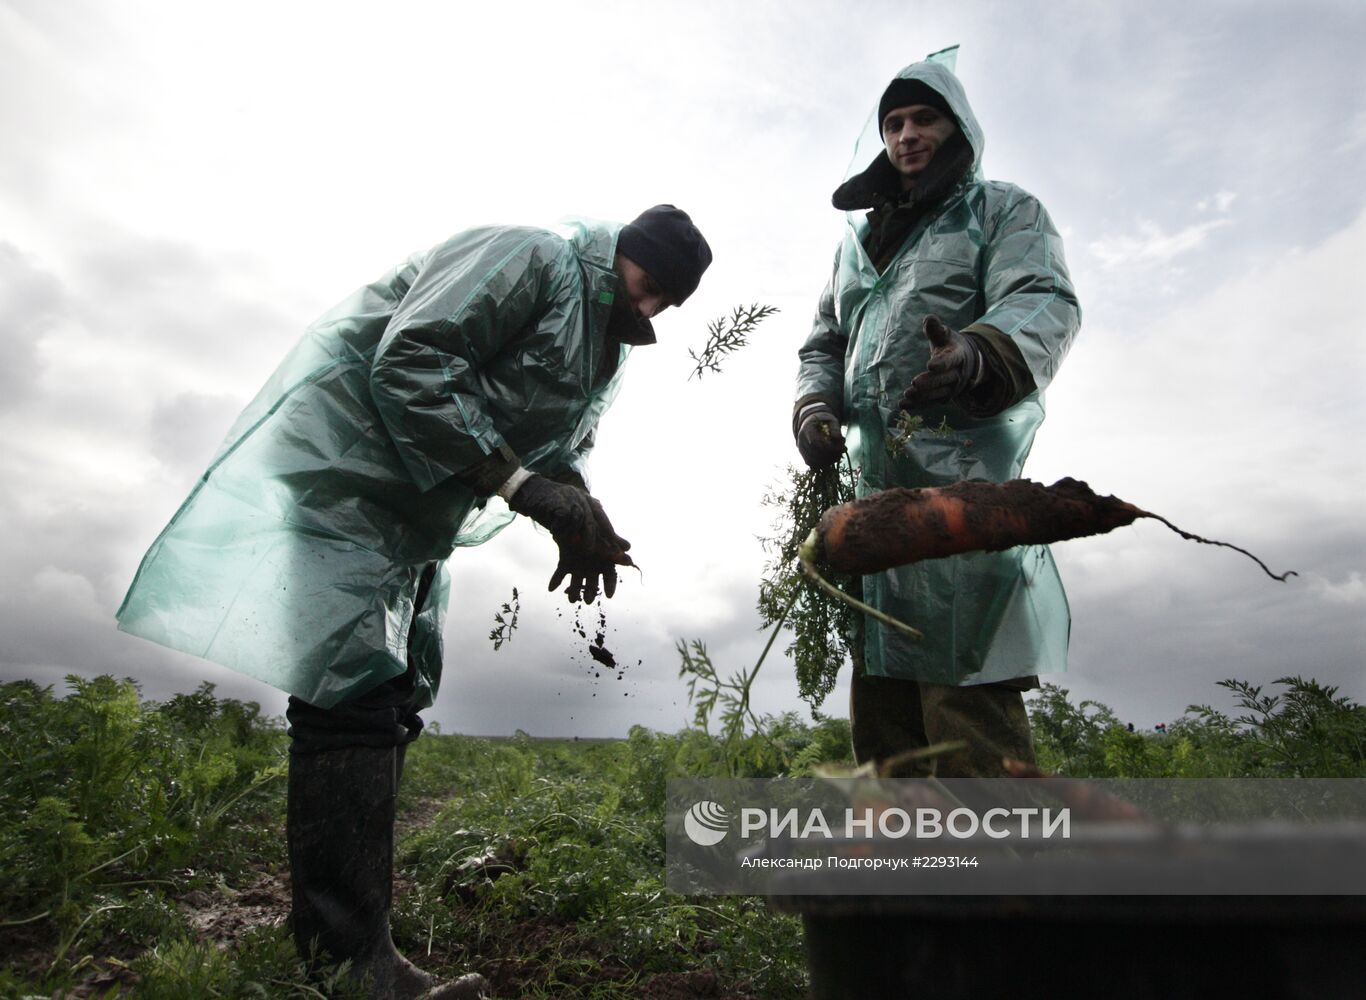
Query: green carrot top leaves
point(726, 335)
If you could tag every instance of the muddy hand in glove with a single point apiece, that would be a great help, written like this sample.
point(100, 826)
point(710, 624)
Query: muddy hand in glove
point(955, 364)
point(590, 550)
point(818, 436)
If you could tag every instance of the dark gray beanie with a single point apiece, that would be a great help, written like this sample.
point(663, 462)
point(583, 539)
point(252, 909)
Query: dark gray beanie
point(903, 92)
point(668, 246)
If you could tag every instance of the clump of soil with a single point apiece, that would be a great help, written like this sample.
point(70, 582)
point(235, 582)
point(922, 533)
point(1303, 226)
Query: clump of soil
point(600, 657)
point(222, 915)
point(483, 869)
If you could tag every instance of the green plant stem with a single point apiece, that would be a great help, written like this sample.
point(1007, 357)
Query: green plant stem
point(86, 875)
point(65, 944)
point(806, 555)
point(777, 627)
point(749, 679)
point(260, 781)
point(302, 987)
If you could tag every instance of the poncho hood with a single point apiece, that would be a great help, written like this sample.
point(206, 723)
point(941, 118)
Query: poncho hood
point(880, 178)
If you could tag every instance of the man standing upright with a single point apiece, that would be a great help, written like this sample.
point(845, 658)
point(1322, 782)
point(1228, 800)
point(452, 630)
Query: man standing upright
point(311, 553)
point(949, 300)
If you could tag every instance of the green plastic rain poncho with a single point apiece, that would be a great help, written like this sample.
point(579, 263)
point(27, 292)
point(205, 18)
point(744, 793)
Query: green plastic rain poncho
point(987, 259)
point(297, 557)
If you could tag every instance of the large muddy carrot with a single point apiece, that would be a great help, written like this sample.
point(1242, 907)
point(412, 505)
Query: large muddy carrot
point(901, 526)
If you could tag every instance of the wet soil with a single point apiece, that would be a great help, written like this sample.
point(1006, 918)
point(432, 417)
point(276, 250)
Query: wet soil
point(222, 914)
point(515, 958)
point(219, 914)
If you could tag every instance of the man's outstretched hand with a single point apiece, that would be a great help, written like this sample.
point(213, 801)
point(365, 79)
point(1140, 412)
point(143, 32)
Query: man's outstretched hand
point(954, 363)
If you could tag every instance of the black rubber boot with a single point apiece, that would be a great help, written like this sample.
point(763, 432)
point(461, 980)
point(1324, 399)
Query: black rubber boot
point(341, 857)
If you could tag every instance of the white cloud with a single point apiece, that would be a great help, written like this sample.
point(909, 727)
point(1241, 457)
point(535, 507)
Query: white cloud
point(1150, 246)
point(71, 592)
point(1213, 393)
point(1221, 202)
point(1209, 411)
point(32, 302)
point(1354, 132)
point(1352, 589)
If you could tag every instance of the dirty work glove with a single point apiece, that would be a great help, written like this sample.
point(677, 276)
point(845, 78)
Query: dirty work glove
point(954, 365)
point(585, 568)
point(566, 510)
point(818, 436)
point(589, 547)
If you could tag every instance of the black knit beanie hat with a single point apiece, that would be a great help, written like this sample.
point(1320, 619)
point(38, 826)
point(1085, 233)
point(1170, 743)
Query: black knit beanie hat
point(668, 246)
point(902, 92)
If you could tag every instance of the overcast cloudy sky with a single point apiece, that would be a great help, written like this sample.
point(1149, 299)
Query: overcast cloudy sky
point(183, 187)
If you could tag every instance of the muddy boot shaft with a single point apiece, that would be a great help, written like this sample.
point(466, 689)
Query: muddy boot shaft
point(341, 849)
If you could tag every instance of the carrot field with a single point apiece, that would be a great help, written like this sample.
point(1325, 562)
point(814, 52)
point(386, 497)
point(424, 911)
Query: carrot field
point(142, 850)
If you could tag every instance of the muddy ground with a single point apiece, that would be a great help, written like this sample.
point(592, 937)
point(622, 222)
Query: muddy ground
point(515, 964)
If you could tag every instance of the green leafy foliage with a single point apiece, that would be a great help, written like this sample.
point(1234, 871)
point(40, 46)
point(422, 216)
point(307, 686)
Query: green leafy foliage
point(708, 691)
point(537, 862)
point(540, 862)
point(110, 806)
point(824, 630)
point(747, 745)
point(261, 964)
point(827, 632)
point(905, 426)
point(505, 621)
point(98, 789)
point(560, 863)
point(726, 335)
point(1306, 731)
